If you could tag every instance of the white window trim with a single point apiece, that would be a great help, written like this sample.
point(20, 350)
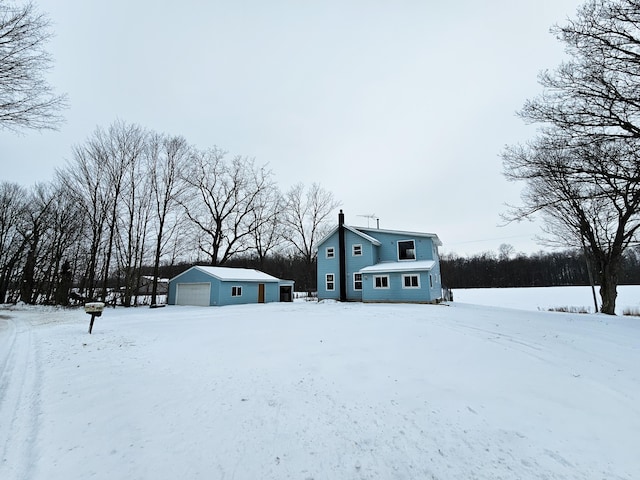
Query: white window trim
point(415, 256)
point(236, 288)
point(333, 252)
point(354, 282)
point(353, 250)
point(381, 276)
point(326, 282)
point(411, 286)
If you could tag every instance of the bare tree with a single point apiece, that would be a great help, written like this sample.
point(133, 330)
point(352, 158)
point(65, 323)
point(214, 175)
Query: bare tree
point(506, 251)
point(266, 223)
point(34, 231)
point(595, 92)
point(53, 230)
point(85, 178)
point(120, 147)
point(104, 177)
point(134, 217)
point(589, 196)
point(306, 220)
point(12, 215)
point(222, 199)
point(26, 98)
point(168, 159)
point(65, 230)
point(584, 172)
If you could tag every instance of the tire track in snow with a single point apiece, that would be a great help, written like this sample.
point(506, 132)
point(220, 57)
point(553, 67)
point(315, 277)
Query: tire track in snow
point(20, 380)
point(508, 340)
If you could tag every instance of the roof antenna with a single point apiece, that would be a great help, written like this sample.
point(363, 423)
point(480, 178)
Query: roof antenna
point(371, 216)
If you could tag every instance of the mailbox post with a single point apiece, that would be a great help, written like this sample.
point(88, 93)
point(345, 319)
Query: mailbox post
point(95, 310)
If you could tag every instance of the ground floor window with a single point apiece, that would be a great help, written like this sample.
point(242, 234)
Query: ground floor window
point(357, 281)
point(381, 281)
point(236, 291)
point(411, 281)
point(330, 283)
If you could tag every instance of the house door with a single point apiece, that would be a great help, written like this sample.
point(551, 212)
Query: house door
point(261, 293)
point(285, 293)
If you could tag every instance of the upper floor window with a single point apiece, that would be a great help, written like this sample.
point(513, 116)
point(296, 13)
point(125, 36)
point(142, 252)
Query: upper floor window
point(330, 252)
point(357, 250)
point(406, 250)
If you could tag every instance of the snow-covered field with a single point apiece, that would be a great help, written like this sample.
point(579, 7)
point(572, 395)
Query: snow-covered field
point(544, 298)
point(320, 391)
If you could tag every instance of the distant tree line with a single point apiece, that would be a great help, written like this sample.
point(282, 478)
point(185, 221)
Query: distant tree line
point(542, 269)
point(131, 200)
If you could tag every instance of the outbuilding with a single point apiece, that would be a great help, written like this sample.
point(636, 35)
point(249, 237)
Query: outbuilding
point(205, 286)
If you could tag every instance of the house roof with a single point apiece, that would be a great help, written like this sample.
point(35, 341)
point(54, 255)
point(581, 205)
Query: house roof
point(388, 267)
point(436, 240)
point(363, 235)
point(351, 229)
point(227, 274)
point(367, 233)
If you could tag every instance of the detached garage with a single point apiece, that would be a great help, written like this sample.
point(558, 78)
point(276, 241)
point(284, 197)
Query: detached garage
point(206, 286)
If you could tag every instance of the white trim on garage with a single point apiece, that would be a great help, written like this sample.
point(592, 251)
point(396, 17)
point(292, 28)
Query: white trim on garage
point(198, 294)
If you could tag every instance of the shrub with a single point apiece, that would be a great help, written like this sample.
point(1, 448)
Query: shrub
point(568, 309)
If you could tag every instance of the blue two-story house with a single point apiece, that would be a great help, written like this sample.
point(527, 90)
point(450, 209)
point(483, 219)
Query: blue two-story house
point(375, 265)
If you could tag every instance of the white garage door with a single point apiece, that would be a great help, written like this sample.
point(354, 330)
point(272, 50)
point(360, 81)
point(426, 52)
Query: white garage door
point(193, 294)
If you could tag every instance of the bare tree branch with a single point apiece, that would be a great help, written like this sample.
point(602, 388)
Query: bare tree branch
point(26, 98)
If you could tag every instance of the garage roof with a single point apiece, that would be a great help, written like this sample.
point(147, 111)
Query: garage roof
point(237, 274)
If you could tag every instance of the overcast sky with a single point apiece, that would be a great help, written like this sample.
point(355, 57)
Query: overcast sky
point(400, 108)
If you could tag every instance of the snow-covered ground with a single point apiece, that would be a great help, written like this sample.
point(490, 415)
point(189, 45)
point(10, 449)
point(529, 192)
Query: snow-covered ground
point(544, 298)
point(320, 391)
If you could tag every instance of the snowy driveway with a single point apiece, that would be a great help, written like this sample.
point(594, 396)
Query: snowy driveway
point(19, 397)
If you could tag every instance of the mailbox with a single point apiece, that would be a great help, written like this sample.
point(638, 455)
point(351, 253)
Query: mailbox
point(94, 308)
